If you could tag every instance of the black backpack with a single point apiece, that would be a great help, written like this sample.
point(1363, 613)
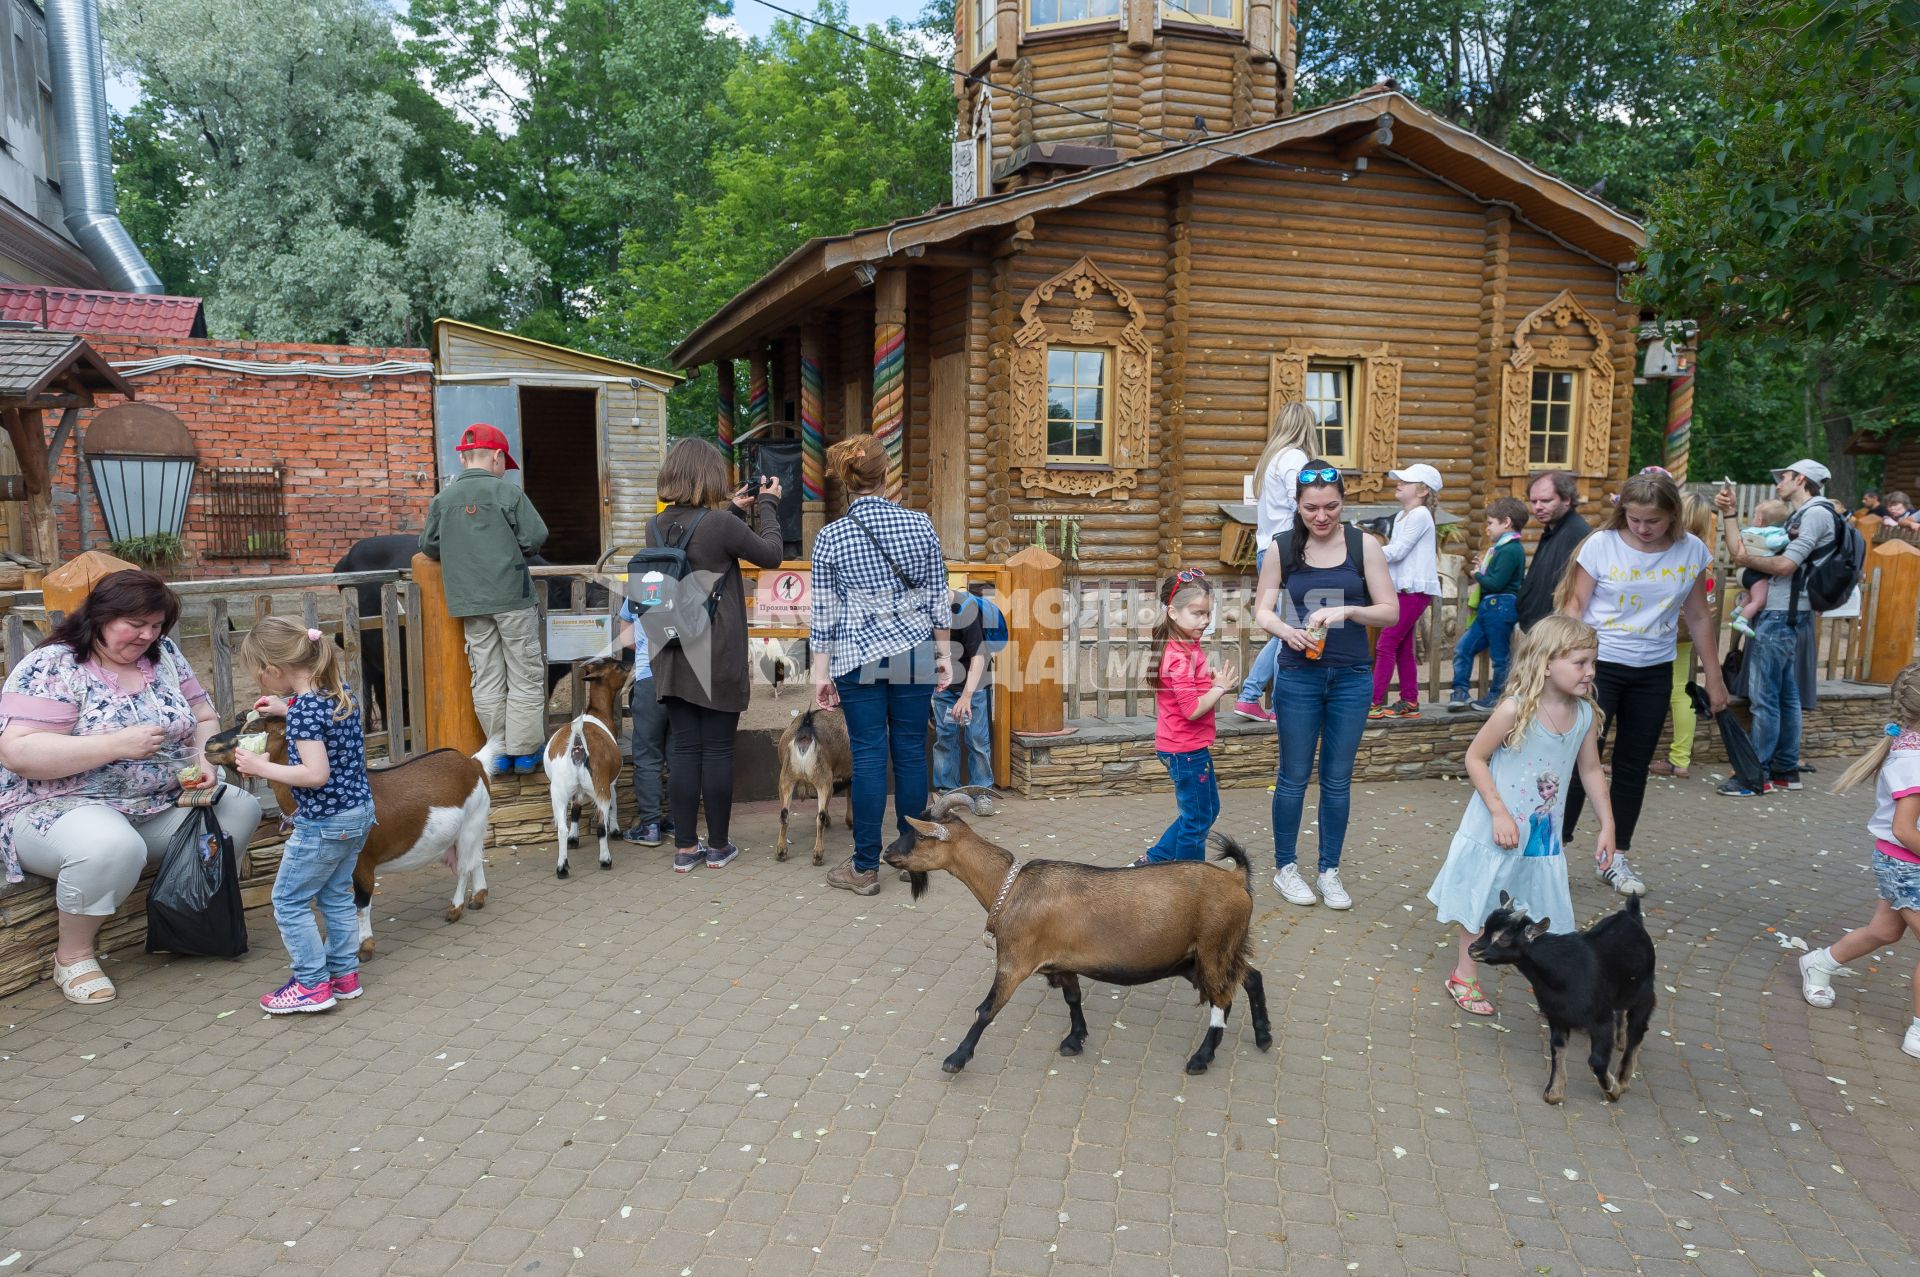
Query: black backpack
point(670, 608)
point(1831, 572)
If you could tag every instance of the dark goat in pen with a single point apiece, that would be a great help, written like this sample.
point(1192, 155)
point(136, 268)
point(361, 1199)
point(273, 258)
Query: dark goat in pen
point(1599, 980)
point(1121, 926)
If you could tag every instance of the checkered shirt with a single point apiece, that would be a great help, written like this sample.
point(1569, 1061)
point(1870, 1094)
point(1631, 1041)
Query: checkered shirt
point(861, 611)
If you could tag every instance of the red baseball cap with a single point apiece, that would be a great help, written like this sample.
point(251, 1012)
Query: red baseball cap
point(482, 435)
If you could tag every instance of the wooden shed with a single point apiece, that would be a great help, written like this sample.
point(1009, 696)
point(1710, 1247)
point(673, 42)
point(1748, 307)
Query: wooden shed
point(1100, 329)
point(588, 432)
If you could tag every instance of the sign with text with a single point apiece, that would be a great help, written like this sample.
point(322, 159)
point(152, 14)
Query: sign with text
point(784, 597)
point(578, 636)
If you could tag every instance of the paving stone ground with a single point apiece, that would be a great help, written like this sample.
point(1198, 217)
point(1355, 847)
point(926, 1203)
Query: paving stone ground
point(737, 1072)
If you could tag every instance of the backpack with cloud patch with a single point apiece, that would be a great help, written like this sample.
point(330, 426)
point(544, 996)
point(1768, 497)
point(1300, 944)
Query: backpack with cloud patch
point(670, 604)
point(1828, 577)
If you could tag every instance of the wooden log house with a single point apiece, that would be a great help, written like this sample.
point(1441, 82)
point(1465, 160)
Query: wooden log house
point(1148, 253)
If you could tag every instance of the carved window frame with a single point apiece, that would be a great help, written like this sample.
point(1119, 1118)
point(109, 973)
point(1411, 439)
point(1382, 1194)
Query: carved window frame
point(1537, 349)
point(1130, 373)
point(1376, 402)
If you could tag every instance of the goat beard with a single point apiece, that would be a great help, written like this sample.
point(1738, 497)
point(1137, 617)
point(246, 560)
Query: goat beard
point(917, 881)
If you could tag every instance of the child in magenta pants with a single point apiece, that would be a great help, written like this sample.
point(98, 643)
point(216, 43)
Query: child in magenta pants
point(1413, 556)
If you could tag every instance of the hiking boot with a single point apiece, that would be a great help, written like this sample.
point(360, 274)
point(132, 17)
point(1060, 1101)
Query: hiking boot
point(1291, 885)
point(1252, 710)
point(1332, 893)
point(1404, 709)
point(293, 998)
point(847, 878)
point(346, 987)
point(685, 859)
point(647, 835)
point(1620, 876)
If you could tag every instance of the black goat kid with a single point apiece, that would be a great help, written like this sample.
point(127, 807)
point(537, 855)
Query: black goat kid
point(1599, 980)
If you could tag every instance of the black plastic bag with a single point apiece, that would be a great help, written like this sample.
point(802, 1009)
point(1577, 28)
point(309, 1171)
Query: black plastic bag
point(1742, 760)
point(193, 907)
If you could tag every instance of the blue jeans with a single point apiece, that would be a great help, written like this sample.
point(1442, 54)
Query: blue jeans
point(887, 703)
point(1491, 632)
point(962, 754)
point(1260, 673)
point(1197, 790)
point(1323, 710)
point(1773, 690)
point(316, 868)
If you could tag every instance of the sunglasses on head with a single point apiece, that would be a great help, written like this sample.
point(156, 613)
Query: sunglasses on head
point(1328, 475)
point(1186, 576)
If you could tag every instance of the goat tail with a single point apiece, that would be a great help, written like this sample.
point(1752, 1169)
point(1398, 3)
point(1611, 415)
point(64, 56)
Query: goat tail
point(1232, 850)
point(488, 753)
point(1633, 906)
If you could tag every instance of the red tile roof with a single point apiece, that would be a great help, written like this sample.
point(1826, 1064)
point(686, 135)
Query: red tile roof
point(87, 310)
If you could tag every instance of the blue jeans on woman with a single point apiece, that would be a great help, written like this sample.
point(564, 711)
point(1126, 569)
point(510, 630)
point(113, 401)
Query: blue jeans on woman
point(1492, 633)
point(1321, 710)
point(316, 870)
point(1196, 789)
point(888, 704)
point(1260, 673)
point(962, 752)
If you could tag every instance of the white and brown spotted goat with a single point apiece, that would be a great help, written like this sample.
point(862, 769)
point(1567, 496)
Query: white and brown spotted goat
point(583, 762)
point(434, 807)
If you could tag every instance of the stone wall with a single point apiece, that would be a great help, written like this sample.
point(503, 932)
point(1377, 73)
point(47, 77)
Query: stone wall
point(1116, 756)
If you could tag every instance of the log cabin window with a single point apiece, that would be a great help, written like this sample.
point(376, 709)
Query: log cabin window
point(1078, 397)
point(1212, 13)
point(1329, 393)
point(1550, 425)
point(1045, 15)
point(980, 37)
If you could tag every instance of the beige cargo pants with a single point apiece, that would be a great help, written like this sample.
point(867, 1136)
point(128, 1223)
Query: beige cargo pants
point(509, 679)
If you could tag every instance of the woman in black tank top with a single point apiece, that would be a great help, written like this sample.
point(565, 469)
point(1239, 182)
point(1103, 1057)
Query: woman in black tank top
point(1320, 590)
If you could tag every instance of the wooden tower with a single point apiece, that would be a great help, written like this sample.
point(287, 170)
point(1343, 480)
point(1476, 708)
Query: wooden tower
point(1118, 77)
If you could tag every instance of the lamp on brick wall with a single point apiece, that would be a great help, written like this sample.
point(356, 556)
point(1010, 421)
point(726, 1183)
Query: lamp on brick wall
point(142, 459)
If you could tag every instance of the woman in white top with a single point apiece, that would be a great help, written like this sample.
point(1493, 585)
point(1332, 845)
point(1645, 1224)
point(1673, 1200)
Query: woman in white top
point(1634, 581)
point(1413, 556)
point(1276, 475)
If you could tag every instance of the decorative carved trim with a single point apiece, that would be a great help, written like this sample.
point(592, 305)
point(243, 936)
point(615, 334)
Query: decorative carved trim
point(1592, 427)
point(1128, 431)
point(1376, 402)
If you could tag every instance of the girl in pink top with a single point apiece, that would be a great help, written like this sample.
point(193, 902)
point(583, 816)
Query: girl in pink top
point(1894, 764)
point(1185, 693)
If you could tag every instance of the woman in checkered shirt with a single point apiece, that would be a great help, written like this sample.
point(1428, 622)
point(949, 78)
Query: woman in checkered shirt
point(879, 639)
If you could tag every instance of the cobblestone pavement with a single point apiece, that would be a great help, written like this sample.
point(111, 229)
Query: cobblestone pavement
point(738, 1071)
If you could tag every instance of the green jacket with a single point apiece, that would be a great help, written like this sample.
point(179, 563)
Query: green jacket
point(482, 530)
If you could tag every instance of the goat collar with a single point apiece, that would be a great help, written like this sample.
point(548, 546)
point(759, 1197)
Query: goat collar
point(1006, 885)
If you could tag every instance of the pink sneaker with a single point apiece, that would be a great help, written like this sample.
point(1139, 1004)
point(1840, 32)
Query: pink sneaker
point(1252, 709)
point(293, 997)
point(346, 987)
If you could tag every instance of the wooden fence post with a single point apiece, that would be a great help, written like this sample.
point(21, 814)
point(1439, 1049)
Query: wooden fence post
point(451, 723)
point(1894, 568)
point(1033, 605)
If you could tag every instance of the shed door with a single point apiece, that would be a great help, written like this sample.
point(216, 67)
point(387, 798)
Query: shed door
point(457, 407)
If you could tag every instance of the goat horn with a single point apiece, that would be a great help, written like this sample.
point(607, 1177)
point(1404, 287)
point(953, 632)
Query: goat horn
point(943, 807)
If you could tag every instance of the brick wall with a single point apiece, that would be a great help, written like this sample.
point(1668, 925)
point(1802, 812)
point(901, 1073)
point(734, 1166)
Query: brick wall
point(359, 452)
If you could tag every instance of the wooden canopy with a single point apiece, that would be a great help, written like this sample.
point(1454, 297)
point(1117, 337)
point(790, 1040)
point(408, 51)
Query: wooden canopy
point(1383, 120)
point(41, 370)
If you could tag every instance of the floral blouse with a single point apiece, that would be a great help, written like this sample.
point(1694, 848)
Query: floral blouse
point(53, 688)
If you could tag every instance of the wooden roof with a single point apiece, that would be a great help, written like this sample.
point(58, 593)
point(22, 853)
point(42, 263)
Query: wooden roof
point(821, 270)
point(35, 363)
point(547, 355)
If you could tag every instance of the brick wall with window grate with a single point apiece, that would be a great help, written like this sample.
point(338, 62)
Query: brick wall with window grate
point(246, 512)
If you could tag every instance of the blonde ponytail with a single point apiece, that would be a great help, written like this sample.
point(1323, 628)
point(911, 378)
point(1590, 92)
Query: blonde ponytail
point(276, 641)
point(1905, 696)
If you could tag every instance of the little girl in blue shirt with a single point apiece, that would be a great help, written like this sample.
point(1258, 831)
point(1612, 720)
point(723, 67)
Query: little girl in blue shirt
point(326, 769)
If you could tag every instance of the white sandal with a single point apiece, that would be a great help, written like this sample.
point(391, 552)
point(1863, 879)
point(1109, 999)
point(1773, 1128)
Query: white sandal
point(83, 992)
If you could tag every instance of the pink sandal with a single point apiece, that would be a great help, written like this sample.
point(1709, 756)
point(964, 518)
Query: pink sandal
point(1467, 996)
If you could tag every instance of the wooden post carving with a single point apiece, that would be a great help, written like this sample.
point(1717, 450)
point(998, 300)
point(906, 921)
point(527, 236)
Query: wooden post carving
point(1036, 626)
point(757, 377)
point(890, 375)
point(451, 723)
point(813, 440)
point(1679, 423)
point(29, 436)
point(1173, 384)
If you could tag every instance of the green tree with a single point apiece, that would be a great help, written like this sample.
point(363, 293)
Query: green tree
point(290, 195)
point(823, 135)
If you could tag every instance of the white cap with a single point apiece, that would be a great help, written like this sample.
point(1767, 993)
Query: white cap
point(1806, 468)
point(1419, 473)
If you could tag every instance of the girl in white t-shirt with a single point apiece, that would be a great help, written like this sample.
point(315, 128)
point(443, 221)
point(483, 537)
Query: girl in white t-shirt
point(1634, 581)
point(1413, 556)
point(1895, 763)
point(1276, 475)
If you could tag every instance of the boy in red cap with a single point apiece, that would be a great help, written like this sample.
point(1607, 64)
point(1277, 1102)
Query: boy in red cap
point(482, 530)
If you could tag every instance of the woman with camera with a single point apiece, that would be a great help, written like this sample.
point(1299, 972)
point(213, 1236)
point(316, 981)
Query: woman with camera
point(703, 683)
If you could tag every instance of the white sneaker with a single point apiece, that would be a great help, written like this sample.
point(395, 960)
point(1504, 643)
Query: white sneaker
point(1620, 876)
point(1332, 892)
point(1291, 885)
point(1912, 1044)
point(1817, 970)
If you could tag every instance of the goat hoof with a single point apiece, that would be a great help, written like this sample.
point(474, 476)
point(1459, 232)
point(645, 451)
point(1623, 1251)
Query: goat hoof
point(819, 858)
point(561, 872)
point(1262, 1040)
point(606, 864)
point(366, 948)
point(455, 912)
point(952, 1064)
point(573, 842)
point(1071, 1046)
point(479, 900)
point(1197, 1065)
point(780, 854)
point(1552, 1097)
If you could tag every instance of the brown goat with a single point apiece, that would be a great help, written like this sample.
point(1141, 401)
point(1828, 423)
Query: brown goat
point(583, 762)
point(1121, 926)
point(815, 754)
point(434, 807)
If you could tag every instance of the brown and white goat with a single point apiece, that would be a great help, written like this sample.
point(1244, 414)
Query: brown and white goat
point(815, 754)
point(583, 761)
point(434, 807)
point(1065, 920)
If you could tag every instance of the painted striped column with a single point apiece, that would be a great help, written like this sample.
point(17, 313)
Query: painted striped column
point(890, 376)
point(723, 420)
point(756, 391)
point(813, 409)
point(1679, 421)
